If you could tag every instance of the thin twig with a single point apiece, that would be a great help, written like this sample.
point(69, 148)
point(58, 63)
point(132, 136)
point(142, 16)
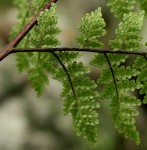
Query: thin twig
point(68, 76)
point(72, 49)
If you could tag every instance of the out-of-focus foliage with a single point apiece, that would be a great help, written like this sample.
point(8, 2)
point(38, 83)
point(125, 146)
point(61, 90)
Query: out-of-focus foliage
point(5, 4)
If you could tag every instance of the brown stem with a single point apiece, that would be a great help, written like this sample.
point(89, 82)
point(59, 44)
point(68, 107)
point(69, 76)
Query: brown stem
point(72, 49)
point(25, 30)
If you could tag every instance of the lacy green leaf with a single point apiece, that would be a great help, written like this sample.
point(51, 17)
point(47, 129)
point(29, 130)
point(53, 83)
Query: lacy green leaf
point(119, 7)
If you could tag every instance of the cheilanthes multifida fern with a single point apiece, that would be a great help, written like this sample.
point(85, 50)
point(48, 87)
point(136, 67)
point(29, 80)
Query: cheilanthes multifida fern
point(80, 93)
point(117, 79)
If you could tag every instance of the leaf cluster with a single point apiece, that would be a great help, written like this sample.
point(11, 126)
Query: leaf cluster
point(81, 95)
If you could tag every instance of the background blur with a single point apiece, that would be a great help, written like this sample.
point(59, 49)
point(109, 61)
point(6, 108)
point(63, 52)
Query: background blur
point(28, 122)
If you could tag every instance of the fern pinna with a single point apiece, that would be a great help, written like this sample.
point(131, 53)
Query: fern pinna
point(117, 80)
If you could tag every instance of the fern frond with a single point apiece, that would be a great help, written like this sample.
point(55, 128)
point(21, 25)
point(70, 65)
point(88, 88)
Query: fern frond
point(36, 63)
point(119, 7)
point(47, 27)
point(80, 94)
point(79, 91)
point(123, 114)
point(91, 29)
point(127, 34)
point(84, 109)
point(81, 104)
point(122, 104)
point(117, 80)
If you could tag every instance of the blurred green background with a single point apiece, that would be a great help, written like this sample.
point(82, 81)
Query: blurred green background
point(28, 122)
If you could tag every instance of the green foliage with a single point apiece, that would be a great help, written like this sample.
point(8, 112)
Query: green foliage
point(37, 75)
point(117, 91)
point(91, 29)
point(35, 63)
point(143, 5)
point(123, 113)
point(119, 7)
point(127, 34)
point(79, 93)
point(141, 66)
point(37, 4)
point(81, 101)
point(116, 82)
point(48, 32)
point(22, 17)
